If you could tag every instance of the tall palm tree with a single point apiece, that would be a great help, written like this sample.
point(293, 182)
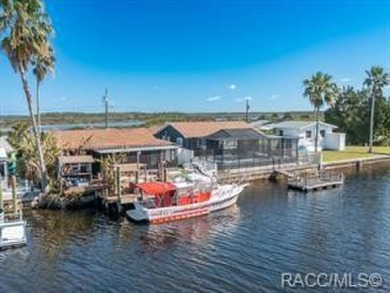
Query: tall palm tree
point(27, 30)
point(320, 90)
point(42, 66)
point(376, 80)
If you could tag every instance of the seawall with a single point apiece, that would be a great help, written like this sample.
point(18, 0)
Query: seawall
point(261, 173)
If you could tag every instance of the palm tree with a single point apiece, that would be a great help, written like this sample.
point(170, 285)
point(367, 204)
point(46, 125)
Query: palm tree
point(376, 80)
point(42, 66)
point(27, 32)
point(320, 90)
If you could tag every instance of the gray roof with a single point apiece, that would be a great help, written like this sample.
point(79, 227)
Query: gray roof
point(237, 134)
point(299, 124)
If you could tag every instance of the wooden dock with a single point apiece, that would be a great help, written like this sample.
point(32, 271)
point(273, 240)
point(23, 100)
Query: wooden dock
point(316, 182)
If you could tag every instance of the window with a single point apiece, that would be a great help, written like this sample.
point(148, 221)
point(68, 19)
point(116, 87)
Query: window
point(179, 141)
point(322, 133)
point(230, 144)
point(308, 133)
point(281, 132)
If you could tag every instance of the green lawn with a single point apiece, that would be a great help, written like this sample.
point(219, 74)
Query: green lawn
point(352, 152)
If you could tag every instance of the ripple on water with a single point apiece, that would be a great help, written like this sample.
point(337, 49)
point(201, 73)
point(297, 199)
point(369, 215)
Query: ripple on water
point(244, 248)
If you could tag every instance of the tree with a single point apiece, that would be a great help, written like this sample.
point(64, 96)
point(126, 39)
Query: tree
point(376, 80)
point(350, 114)
point(42, 66)
point(28, 162)
point(27, 29)
point(320, 90)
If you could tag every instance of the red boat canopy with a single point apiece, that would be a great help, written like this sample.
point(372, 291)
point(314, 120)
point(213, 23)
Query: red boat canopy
point(156, 187)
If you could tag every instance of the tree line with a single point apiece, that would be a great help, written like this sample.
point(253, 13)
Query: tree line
point(363, 113)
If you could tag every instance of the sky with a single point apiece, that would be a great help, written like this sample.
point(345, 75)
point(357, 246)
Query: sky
point(202, 55)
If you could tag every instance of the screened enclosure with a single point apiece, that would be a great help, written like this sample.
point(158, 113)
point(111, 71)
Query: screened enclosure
point(240, 148)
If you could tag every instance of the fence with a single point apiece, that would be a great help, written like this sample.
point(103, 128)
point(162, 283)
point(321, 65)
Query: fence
point(275, 162)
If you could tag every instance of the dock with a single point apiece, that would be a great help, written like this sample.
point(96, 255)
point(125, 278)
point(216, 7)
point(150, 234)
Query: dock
point(316, 182)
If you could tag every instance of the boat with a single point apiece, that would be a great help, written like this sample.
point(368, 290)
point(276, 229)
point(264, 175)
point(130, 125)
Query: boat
point(197, 195)
point(12, 232)
point(12, 225)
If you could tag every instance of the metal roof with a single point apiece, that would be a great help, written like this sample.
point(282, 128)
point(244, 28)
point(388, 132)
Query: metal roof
point(136, 149)
point(76, 160)
point(259, 123)
point(203, 128)
point(299, 124)
point(237, 134)
point(108, 139)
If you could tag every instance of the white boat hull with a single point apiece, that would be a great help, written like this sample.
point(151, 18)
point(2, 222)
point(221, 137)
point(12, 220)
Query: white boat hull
point(221, 198)
point(12, 233)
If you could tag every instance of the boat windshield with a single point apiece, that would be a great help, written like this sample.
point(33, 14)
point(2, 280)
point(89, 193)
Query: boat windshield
point(148, 203)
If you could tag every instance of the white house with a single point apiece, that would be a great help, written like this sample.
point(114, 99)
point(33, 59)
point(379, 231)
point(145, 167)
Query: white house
point(306, 132)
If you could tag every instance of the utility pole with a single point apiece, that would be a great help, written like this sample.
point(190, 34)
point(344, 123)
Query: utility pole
point(106, 106)
point(247, 110)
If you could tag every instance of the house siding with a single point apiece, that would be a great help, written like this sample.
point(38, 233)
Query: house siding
point(304, 141)
point(171, 134)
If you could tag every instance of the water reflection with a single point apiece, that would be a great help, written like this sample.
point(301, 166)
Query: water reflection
point(196, 231)
point(54, 231)
point(241, 249)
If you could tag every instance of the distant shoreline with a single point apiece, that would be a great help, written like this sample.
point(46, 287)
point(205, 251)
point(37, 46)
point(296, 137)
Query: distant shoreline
point(148, 119)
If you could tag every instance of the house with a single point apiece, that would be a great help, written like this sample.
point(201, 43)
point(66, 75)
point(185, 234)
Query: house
point(230, 144)
point(305, 131)
point(236, 148)
point(137, 145)
point(191, 135)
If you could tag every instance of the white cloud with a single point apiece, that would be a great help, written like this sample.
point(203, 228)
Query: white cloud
point(274, 97)
point(232, 87)
point(248, 98)
point(345, 79)
point(63, 98)
point(214, 98)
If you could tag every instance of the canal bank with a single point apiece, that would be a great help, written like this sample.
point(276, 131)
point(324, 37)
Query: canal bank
point(267, 172)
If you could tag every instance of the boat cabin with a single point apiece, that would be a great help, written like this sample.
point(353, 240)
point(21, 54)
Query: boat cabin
point(166, 194)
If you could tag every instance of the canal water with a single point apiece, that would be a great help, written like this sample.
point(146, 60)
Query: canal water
point(242, 249)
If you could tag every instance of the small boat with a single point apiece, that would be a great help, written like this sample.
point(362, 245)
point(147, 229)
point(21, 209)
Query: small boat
point(12, 232)
point(172, 201)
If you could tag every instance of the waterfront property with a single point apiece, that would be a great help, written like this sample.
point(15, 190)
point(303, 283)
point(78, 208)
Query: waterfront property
point(305, 132)
point(192, 135)
point(133, 145)
point(231, 144)
point(247, 147)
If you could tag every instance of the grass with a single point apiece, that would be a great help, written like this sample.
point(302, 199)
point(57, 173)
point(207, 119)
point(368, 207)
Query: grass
point(353, 152)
